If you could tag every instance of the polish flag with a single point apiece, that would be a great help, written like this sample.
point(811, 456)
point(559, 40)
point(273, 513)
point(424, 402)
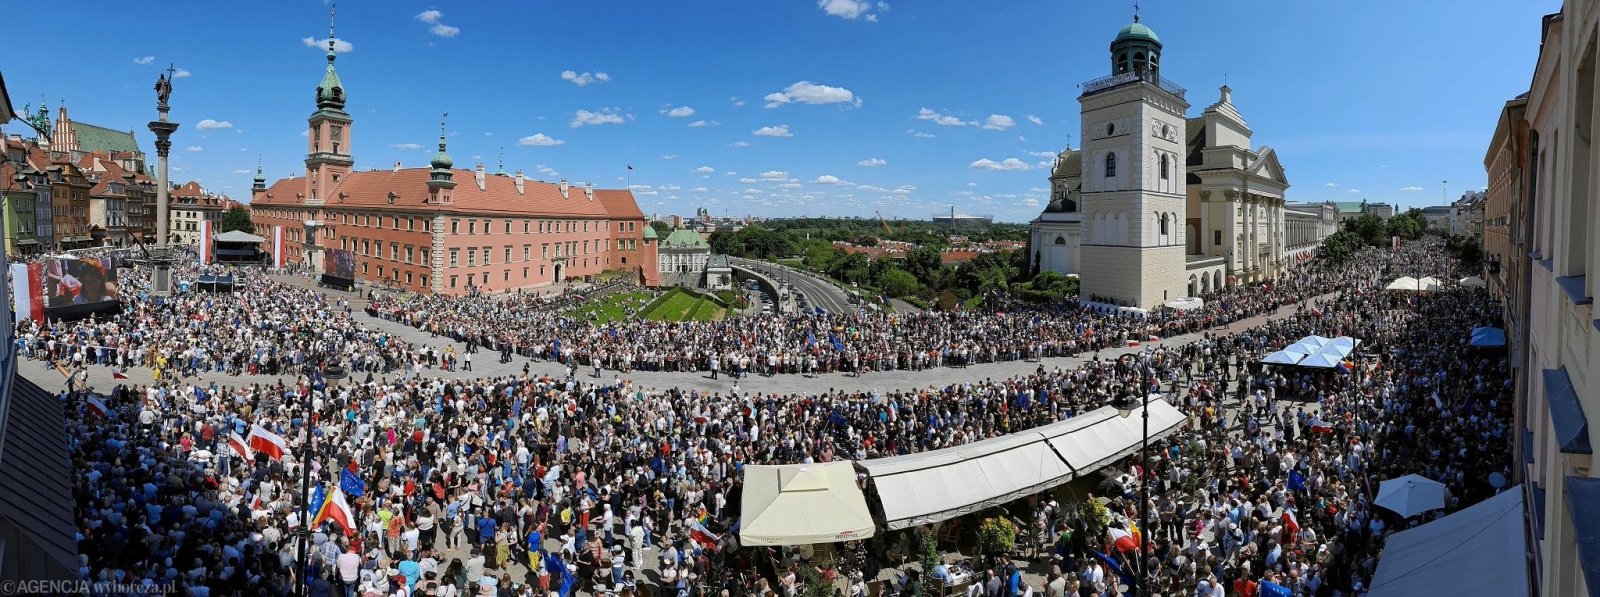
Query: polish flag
point(1320, 426)
point(97, 406)
point(268, 442)
point(117, 374)
point(701, 535)
point(337, 510)
point(239, 445)
point(1133, 343)
point(1290, 521)
point(1316, 312)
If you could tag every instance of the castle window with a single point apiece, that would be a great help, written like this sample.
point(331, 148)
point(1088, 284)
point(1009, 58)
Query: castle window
point(1164, 167)
point(1111, 165)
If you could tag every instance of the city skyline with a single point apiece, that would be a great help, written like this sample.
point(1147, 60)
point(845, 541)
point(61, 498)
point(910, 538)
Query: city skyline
point(880, 107)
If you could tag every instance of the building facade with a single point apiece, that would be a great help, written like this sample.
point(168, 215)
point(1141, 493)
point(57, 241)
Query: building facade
point(1560, 368)
point(1156, 206)
point(189, 206)
point(682, 258)
point(1505, 212)
point(442, 229)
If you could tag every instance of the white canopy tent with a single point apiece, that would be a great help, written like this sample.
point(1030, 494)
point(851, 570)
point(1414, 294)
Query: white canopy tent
point(239, 236)
point(1315, 351)
point(803, 504)
point(928, 487)
point(1477, 551)
point(925, 488)
point(1185, 304)
point(1408, 283)
point(1472, 281)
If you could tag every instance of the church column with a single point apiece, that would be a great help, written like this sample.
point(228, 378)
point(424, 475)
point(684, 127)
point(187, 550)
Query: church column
point(1230, 231)
point(1251, 257)
point(1205, 223)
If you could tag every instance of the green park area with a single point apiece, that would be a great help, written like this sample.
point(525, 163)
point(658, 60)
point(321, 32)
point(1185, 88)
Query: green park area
point(679, 305)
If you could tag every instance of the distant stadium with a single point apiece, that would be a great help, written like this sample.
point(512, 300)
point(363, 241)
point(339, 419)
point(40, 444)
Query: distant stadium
point(959, 221)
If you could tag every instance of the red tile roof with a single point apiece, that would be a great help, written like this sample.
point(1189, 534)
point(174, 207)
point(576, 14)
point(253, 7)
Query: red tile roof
point(371, 189)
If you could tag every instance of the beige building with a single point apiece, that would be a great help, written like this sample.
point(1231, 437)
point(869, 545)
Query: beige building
point(1157, 206)
point(1561, 365)
point(191, 205)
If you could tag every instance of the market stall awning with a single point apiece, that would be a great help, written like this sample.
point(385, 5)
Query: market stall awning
point(1487, 336)
point(1284, 357)
point(803, 504)
point(1322, 360)
point(928, 487)
point(1092, 446)
point(1477, 551)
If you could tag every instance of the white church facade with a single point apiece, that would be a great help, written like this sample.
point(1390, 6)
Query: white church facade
point(1156, 206)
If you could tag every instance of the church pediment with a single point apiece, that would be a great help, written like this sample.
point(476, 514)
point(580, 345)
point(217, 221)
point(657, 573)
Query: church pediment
point(1266, 166)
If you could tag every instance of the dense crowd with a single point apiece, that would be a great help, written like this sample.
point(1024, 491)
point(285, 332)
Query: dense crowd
point(522, 485)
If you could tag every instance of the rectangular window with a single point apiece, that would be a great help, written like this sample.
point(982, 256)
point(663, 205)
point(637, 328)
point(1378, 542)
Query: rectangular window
point(524, 273)
point(424, 281)
point(585, 225)
point(1216, 237)
point(472, 227)
point(507, 274)
point(544, 251)
point(508, 226)
point(455, 228)
point(525, 225)
point(380, 271)
point(632, 244)
point(408, 254)
point(363, 269)
point(455, 255)
point(425, 260)
point(527, 251)
point(452, 281)
point(541, 271)
point(394, 251)
point(408, 282)
point(411, 223)
point(508, 254)
point(621, 244)
point(470, 279)
point(585, 247)
point(472, 257)
point(486, 255)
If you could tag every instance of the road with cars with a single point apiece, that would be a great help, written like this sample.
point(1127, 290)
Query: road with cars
point(810, 291)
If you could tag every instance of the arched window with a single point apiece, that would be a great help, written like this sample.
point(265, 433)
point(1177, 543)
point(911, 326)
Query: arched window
point(1164, 166)
point(1111, 165)
point(1061, 240)
point(1164, 223)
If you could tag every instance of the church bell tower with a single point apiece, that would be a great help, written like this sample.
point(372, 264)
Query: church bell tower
point(328, 159)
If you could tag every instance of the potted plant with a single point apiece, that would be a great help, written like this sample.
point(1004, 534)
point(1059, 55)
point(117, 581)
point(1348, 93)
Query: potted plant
point(997, 535)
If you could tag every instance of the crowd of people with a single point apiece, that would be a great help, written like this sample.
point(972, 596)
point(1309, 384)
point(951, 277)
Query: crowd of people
point(524, 485)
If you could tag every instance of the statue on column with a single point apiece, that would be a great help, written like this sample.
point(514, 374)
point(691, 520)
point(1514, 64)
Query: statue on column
point(163, 91)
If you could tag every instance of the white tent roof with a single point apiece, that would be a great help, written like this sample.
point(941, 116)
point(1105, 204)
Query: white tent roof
point(1184, 304)
point(803, 504)
point(239, 236)
point(1472, 281)
point(932, 486)
point(1402, 283)
point(1093, 446)
point(1477, 551)
point(925, 488)
point(1284, 357)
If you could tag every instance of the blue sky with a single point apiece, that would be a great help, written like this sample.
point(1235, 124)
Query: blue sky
point(833, 108)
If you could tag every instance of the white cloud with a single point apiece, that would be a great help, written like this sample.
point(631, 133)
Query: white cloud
point(209, 124)
point(670, 157)
point(700, 123)
point(431, 17)
point(670, 187)
point(679, 112)
point(1035, 120)
point(781, 130)
point(774, 176)
point(753, 191)
point(406, 146)
point(704, 170)
point(585, 78)
point(539, 140)
point(1041, 154)
point(181, 73)
point(972, 184)
point(144, 60)
point(543, 169)
point(919, 134)
point(306, 133)
point(872, 162)
point(998, 122)
point(604, 116)
point(697, 190)
point(736, 101)
point(1331, 185)
point(852, 9)
point(904, 189)
point(748, 180)
point(339, 46)
point(807, 92)
point(241, 171)
point(1383, 166)
point(1411, 189)
point(1008, 165)
point(831, 179)
point(870, 188)
point(1355, 191)
point(730, 173)
point(942, 119)
point(643, 189)
point(739, 144)
point(1031, 202)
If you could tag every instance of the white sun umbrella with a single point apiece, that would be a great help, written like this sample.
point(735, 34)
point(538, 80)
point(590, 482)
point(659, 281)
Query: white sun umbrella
point(1472, 281)
point(1284, 357)
point(1410, 495)
point(1402, 283)
point(1339, 350)
point(1429, 284)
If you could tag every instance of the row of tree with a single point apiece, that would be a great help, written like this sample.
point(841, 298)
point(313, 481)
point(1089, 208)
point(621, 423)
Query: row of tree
point(1371, 231)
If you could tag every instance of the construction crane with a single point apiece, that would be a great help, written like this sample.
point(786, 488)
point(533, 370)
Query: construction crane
point(886, 230)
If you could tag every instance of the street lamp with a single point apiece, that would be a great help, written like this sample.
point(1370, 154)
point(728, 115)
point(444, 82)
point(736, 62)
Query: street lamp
point(332, 375)
point(1125, 405)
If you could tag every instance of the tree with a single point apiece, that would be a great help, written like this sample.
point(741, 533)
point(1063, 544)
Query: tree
point(662, 228)
point(897, 282)
point(1369, 228)
point(867, 241)
point(726, 243)
point(923, 263)
point(1339, 246)
point(236, 218)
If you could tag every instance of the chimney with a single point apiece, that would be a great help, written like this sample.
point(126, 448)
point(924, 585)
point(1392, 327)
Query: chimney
point(588, 189)
point(564, 189)
point(397, 167)
point(477, 173)
point(519, 182)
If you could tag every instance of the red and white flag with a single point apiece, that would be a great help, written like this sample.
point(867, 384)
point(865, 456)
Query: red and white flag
point(239, 445)
point(702, 535)
point(337, 510)
point(267, 442)
point(116, 374)
point(97, 406)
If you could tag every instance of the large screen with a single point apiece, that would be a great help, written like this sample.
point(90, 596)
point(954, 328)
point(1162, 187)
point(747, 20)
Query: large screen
point(339, 263)
point(81, 281)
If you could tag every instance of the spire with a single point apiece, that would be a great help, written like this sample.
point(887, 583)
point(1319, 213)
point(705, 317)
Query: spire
point(330, 94)
point(260, 179)
point(501, 169)
point(441, 175)
point(334, 6)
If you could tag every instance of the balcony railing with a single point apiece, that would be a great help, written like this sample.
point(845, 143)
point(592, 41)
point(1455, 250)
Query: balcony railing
point(1117, 80)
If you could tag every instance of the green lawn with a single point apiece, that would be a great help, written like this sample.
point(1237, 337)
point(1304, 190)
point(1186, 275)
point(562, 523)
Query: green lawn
point(676, 306)
point(613, 307)
point(705, 310)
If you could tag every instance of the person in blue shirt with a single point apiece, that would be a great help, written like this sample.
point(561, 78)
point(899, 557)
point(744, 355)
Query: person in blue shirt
point(486, 528)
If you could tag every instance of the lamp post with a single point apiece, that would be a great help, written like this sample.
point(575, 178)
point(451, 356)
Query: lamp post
point(332, 375)
point(1125, 406)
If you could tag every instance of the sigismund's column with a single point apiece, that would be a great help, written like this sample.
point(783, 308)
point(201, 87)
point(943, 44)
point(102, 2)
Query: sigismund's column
point(163, 130)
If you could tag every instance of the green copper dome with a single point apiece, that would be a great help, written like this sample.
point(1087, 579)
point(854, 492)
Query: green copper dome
point(1137, 30)
point(330, 93)
point(650, 233)
point(441, 160)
